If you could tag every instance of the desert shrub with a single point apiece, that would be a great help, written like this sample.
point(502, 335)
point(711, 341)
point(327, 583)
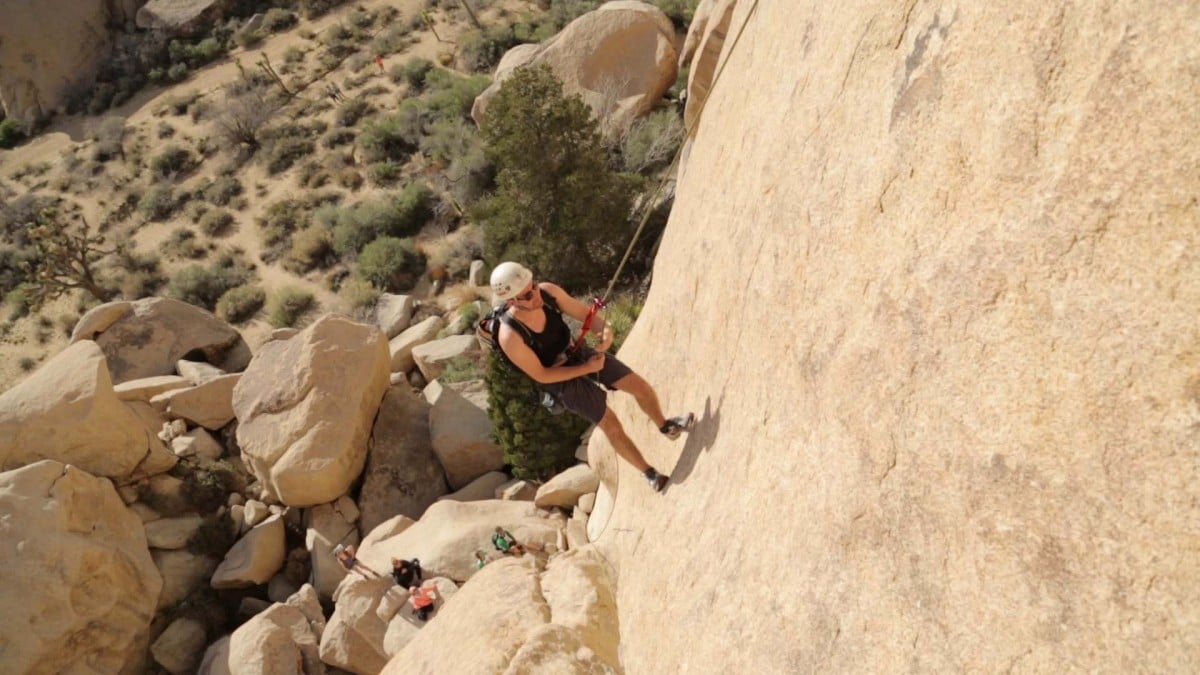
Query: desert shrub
point(138, 275)
point(450, 95)
point(26, 364)
point(178, 104)
point(536, 443)
point(454, 255)
point(215, 536)
point(557, 205)
point(384, 173)
point(359, 294)
point(391, 264)
point(287, 305)
point(351, 111)
point(349, 178)
point(401, 216)
point(203, 286)
point(277, 19)
point(216, 222)
point(193, 54)
point(312, 248)
point(171, 161)
point(479, 50)
point(248, 38)
point(391, 40)
point(19, 301)
point(388, 138)
point(240, 303)
point(461, 369)
point(109, 136)
point(652, 141)
point(283, 152)
point(182, 244)
point(293, 55)
point(412, 72)
point(207, 487)
point(10, 133)
point(158, 203)
point(222, 190)
point(339, 137)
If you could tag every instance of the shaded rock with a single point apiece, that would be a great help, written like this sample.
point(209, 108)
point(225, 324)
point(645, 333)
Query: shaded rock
point(181, 572)
point(254, 559)
point(395, 609)
point(180, 647)
point(403, 475)
point(209, 405)
point(172, 533)
point(401, 347)
point(460, 432)
point(478, 273)
point(517, 490)
point(479, 489)
point(80, 587)
point(305, 407)
point(353, 638)
point(197, 372)
point(327, 525)
point(392, 313)
point(67, 411)
point(706, 39)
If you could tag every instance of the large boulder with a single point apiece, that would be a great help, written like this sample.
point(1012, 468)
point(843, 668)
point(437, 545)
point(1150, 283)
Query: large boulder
point(433, 356)
point(180, 17)
point(79, 587)
point(326, 526)
point(447, 536)
point(180, 647)
point(209, 404)
point(403, 474)
point(400, 348)
point(181, 571)
point(461, 432)
point(283, 638)
point(67, 411)
point(255, 558)
point(567, 487)
point(620, 59)
point(353, 639)
point(146, 337)
point(393, 312)
point(305, 406)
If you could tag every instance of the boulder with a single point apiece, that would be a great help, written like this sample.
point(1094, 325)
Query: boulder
point(209, 405)
point(477, 275)
point(479, 489)
point(180, 647)
point(327, 525)
point(305, 407)
point(447, 536)
point(283, 638)
point(392, 313)
point(185, 18)
point(172, 533)
point(620, 59)
point(254, 559)
point(433, 356)
point(706, 40)
point(197, 372)
point(400, 347)
point(557, 650)
point(567, 487)
point(581, 597)
point(67, 411)
point(353, 638)
point(475, 633)
point(197, 443)
point(461, 433)
point(146, 388)
point(79, 587)
point(402, 624)
point(517, 490)
point(149, 336)
point(216, 659)
point(181, 571)
point(403, 474)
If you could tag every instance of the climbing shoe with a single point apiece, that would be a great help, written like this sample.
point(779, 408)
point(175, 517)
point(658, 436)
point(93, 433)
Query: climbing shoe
point(657, 480)
point(677, 425)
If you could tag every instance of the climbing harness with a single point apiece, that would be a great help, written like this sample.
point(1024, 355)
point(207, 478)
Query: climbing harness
point(597, 305)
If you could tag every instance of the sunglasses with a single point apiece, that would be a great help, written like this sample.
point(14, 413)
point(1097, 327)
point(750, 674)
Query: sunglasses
point(527, 295)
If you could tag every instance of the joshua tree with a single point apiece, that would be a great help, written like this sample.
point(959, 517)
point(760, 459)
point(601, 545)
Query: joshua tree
point(67, 253)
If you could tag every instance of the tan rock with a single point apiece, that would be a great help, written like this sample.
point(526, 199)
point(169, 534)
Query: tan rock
point(580, 593)
point(586, 502)
point(81, 586)
point(67, 411)
point(277, 639)
point(216, 659)
point(197, 372)
point(146, 388)
point(402, 624)
point(707, 40)
point(567, 487)
point(460, 432)
point(209, 405)
point(305, 407)
point(179, 17)
point(181, 572)
point(447, 536)
point(620, 59)
point(353, 638)
point(172, 533)
point(479, 489)
point(431, 358)
point(517, 490)
point(153, 334)
point(400, 347)
point(403, 475)
point(180, 647)
point(197, 443)
point(474, 633)
point(254, 559)
point(393, 312)
point(325, 527)
point(389, 528)
point(557, 650)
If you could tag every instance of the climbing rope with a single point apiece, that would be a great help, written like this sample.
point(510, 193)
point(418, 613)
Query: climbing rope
point(667, 175)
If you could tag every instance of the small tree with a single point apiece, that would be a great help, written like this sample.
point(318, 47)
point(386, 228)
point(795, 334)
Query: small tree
point(66, 256)
point(536, 443)
point(557, 206)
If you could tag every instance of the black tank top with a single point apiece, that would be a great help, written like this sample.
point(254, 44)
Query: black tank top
point(554, 338)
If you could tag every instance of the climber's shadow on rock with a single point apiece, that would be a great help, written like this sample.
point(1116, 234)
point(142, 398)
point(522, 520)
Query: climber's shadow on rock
point(698, 440)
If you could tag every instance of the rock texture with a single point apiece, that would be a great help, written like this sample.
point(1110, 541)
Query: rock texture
point(79, 586)
point(180, 17)
point(461, 433)
point(305, 407)
point(620, 59)
point(403, 474)
point(940, 337)
point(67, 411)
point(146, 337)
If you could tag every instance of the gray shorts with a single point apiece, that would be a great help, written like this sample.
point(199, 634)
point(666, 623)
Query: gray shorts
point(584, 395)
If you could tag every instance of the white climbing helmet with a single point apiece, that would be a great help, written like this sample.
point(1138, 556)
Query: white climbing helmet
point(509, 279)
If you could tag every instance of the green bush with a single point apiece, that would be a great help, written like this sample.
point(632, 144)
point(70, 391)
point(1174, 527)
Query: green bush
point(286, 307)
point(351, 111)
point(535, 443)
point(479, 50)
point(401, 216)
point(412, 72)
point(339, 137)
point(10, 133)
point(203, 286)
point(216, 222)
point(461, 369)
point(359, 294)
point(171, 161)
point(384, 173)
point(679, 11)
point(277, 19)
point(239, 304)
point(182, 244)
point(391, 264)
point(158, 203)
point(557, 205)
point(312, 248)
point(281, 153)
point(389, 138)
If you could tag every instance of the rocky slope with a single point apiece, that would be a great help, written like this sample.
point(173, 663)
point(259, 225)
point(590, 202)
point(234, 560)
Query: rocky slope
point(931, 285)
